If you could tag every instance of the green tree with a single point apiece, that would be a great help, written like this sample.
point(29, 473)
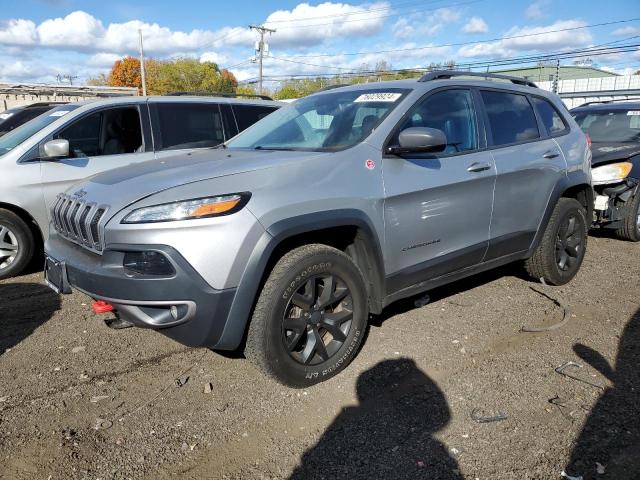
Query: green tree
point(191, 75)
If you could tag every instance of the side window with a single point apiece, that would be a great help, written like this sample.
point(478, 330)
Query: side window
point(247, 115)
point(551, 119)
point(114, 131)
point(189, 125)
point(83, 136)
point(511, 117)
point(451, 111)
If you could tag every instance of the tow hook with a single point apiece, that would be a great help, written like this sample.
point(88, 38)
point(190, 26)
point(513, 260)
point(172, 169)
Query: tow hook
point(100, 307)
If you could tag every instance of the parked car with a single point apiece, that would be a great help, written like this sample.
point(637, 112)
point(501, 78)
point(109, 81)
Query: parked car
point(614, 130)
point(328, 210)
point(14, 117)
point(77, 140)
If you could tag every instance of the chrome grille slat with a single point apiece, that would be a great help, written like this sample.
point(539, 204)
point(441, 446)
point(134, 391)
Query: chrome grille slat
point(79, 221)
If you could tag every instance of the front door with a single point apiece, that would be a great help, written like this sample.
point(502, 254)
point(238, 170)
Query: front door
point(99, 141)
point(438, 206)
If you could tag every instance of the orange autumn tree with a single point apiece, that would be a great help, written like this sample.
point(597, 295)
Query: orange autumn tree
point(126, 73)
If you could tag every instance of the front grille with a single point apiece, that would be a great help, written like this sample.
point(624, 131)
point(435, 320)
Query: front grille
point(79, 221)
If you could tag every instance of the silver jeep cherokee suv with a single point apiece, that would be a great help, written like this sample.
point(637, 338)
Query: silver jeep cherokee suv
point(289, 235)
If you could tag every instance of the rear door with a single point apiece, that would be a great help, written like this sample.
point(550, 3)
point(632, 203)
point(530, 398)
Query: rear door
point(438, 206)
point(529, 164)
point(100, 140)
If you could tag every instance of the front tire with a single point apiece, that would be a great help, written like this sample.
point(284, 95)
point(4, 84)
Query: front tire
point(16, 244)
point(310, 318)
point(630, 229)
point(561, 251)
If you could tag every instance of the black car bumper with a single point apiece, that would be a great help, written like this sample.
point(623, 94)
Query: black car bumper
point(180, 305)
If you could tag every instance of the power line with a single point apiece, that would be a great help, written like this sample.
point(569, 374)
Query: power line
point(459, 44)
point(262, 30)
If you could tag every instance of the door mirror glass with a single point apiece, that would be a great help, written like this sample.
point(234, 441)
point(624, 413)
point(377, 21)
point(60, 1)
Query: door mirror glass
point(57, 148)
point(420, 139)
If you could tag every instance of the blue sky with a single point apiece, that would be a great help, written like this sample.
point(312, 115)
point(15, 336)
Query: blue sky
point(42, 38)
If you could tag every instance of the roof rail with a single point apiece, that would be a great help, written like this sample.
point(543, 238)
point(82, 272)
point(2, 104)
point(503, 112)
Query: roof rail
point(217, 94)
point(444, 74)
point(613, 100)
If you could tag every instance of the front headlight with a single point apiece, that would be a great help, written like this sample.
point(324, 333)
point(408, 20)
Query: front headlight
point(613, 173)
point(189, 209)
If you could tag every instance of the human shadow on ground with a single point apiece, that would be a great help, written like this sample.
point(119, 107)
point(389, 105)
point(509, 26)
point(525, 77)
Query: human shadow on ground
point(611, 434)
point(390, 434)
point(23, 308)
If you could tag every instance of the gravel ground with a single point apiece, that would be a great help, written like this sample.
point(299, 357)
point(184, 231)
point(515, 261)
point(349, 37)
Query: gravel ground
point(79, 400)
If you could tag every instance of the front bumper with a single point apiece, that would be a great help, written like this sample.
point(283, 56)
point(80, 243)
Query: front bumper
point(181, 306)
point(612, 202)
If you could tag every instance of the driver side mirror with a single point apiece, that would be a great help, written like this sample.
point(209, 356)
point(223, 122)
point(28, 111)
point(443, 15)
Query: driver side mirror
point(419, 140)
point(57, 148)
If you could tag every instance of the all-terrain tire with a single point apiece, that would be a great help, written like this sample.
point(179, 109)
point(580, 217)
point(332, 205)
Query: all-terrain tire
point(630, 229)
point(16, 244)
point(301, 277)
point(547, 261)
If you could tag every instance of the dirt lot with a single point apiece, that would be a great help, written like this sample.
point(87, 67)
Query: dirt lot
point(78, 400)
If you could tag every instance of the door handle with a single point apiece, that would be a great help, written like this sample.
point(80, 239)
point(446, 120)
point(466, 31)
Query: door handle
point(551, 154)
point(478, 167)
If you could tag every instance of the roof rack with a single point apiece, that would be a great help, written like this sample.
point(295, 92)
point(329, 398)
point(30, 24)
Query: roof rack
point(217, 94)
point(445, 74)
point(613, 100)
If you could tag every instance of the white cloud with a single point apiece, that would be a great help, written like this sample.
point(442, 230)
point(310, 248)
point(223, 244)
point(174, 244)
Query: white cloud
point(535, 11)
point(214, 57)
point(18, 32)
point(76, 30)
point(415, 25)
point(627, 31)
point(103, 60)
point(548, 38)
point(475, 25)
point(308, 24)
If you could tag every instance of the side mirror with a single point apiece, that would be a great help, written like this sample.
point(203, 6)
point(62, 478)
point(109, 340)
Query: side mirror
point(420, 140)
point(57, 148)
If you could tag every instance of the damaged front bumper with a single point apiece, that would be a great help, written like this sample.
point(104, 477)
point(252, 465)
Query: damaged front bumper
point(613, 202)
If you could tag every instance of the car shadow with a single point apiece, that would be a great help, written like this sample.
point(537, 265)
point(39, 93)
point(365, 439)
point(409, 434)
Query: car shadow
point(23, 308)
point(399, 307)
point(611, 433)
point(389, 434)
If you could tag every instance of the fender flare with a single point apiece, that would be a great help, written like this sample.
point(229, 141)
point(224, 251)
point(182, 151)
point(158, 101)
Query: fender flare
point(248, 288)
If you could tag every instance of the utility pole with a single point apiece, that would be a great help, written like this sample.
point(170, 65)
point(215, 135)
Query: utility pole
point(262, 30)
point(144, 81)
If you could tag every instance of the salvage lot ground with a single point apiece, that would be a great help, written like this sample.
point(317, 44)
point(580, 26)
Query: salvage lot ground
point(401, 410)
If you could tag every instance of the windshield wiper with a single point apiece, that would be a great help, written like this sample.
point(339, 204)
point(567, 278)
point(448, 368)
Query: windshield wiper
point(284, 149)
point(222, 145)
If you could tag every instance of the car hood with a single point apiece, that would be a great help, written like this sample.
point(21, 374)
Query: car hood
point(125, 185)
point(607, 152)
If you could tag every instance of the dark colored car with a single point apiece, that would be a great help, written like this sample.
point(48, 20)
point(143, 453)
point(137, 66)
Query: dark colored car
point(614, 130)
point(14, 117)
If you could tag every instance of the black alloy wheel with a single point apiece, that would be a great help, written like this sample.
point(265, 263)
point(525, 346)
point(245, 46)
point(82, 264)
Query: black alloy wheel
point(317, 319)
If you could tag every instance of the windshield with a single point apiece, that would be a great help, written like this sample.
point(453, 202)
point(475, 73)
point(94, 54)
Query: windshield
point(23, 132)
point(610, 125)
point(325, 122)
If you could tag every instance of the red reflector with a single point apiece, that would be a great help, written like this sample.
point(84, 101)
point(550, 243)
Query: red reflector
point(100, 306)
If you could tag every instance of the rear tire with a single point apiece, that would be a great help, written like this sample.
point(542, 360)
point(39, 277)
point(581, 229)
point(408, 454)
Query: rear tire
point(630, 229)
point(561, 251)
point(310, 318)
point(16, 244)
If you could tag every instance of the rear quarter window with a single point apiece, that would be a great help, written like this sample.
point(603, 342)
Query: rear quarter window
point(188, 125)
point(551, 118)
point(511, 117)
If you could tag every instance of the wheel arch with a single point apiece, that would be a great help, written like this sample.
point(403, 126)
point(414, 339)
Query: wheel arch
point(348, 230)
point(29, 220)
point(575, 185)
